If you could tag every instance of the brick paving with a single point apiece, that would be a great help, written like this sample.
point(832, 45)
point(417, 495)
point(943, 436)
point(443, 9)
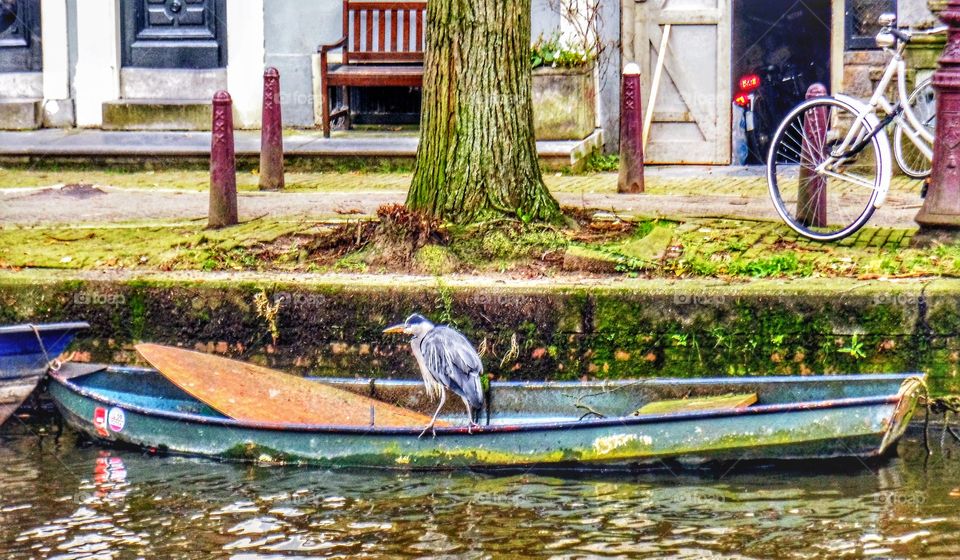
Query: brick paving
point(728, 199)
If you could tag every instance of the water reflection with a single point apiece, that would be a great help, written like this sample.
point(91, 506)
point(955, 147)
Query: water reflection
point(60, 498)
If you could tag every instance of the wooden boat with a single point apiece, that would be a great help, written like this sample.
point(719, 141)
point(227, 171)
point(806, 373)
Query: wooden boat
point(550, 424)
point(23, 360)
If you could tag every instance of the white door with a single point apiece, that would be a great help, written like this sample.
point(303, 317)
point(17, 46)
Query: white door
point(691, 116)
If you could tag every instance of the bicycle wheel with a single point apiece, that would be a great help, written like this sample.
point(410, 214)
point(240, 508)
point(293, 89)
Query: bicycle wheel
point(913, 162)
point(829, 202)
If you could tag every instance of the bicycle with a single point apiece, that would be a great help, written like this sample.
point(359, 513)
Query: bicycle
point(829, 166)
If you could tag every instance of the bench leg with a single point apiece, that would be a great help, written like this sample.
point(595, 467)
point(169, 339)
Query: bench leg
point(325, 110)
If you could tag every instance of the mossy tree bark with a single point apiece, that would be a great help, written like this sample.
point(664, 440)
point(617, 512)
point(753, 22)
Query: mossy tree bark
point(477, 157)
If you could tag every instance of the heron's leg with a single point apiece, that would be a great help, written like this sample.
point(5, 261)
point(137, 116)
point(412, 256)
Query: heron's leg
point(470, 415)
point(443, 399)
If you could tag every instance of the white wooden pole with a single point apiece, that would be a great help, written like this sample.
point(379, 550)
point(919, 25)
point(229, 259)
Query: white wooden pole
point(655, 84)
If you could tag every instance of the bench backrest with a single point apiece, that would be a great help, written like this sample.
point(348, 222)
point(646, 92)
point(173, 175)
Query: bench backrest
point(391, 32)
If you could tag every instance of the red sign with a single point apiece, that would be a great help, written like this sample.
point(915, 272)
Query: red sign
point(100, 421)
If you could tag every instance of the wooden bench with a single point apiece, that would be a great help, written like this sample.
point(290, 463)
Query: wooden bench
point(382, 45)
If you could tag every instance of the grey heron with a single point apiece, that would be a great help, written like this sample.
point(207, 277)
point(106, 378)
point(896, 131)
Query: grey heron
point(447, 360)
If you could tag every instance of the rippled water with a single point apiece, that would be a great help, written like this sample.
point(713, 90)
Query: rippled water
point(63, 498)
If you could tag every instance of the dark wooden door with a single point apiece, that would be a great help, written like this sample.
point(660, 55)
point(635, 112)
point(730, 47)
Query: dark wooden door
point(174, 33)
point(20, 36)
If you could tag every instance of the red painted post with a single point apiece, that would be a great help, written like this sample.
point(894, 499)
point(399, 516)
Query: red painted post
point(812, 193)
point(631, 132)
point(940, 214)
point(223, 170)
point(271, 133)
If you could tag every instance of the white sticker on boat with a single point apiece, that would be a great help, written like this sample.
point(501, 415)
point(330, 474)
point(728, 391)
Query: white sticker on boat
point(116, 419)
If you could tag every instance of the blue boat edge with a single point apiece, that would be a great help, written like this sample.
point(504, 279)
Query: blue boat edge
point(26, 351)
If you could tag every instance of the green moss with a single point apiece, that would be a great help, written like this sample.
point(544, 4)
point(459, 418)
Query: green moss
point(495, 246)
point(355, 261)
point(633, 328)
point(195, 116)
point(435, 259)
point(783, 264)
point(137, 322)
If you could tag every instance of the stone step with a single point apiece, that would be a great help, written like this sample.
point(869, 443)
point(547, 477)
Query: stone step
point(157, 114)
point(20, 113)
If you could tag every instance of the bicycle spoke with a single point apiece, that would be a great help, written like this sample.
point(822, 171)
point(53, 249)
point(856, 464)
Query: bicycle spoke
point(851, 179)
point(818, 195)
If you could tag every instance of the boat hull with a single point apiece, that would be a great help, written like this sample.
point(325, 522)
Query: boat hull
point(860, 426)
point(25, 351)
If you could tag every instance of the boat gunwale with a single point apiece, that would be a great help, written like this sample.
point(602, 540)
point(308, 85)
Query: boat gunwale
point(43, 327)
point(604, 383)
point(620, 421)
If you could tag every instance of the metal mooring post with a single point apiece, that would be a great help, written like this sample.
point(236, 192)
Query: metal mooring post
point(271, 133)
point(223, 170)
point(631, 132)
point(812, 193)
point(939, 217)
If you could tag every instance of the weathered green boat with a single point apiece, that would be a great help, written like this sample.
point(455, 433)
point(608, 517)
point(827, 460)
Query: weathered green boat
point(548, 424)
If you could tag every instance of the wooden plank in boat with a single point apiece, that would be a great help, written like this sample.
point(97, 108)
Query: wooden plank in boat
point(252, 393)
point(696, 404)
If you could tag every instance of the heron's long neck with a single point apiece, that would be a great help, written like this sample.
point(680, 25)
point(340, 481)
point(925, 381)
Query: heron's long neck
point(433, 387)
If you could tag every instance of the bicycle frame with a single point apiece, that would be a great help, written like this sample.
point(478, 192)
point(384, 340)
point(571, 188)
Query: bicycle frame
point(856, 139)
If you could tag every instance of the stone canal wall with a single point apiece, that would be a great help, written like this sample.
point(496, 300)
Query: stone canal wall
point(331, 325)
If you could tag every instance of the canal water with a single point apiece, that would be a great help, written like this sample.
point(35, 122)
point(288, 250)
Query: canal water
point(61, 497)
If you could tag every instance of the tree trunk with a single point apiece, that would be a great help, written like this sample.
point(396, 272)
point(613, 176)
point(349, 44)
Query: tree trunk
point(477, 157)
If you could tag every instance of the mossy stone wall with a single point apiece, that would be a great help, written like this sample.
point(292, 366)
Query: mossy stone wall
point(635, 329)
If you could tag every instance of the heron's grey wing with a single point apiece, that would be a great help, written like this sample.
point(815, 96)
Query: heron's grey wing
point(455, 363)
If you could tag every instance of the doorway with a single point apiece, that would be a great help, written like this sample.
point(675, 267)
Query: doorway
point(174, 33)
point(779, 48)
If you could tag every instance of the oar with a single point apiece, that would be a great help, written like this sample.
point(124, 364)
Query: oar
point(252, 393)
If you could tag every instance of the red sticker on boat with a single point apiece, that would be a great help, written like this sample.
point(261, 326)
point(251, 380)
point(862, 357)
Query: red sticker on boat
point(100, 421)
point(116, 419)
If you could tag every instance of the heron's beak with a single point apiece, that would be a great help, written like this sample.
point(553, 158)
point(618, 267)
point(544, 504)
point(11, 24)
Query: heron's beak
point(395, 329)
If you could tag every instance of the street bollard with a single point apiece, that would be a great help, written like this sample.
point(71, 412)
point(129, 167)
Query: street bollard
point(812, 192)
point(223, 171)
point(631, 132)
point(939, 216)
point(271, 133)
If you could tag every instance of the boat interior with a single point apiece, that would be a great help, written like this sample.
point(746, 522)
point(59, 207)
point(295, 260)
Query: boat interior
point(520, 402)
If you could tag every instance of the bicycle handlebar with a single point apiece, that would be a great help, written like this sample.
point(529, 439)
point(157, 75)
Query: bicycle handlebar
point(932, 31)
point(901, 34)
point(905, 34)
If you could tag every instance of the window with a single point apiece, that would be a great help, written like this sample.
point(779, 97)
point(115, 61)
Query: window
point(861, 22)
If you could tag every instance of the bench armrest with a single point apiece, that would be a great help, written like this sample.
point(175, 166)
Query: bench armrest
point(323, 49)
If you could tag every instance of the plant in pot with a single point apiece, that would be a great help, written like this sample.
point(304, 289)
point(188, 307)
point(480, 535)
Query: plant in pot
point(564, 88)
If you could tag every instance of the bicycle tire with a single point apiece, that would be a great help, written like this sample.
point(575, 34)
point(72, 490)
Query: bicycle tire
point(818, 205)
point(910, 159)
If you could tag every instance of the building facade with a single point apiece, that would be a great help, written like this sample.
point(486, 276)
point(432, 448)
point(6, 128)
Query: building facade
point(121, 64)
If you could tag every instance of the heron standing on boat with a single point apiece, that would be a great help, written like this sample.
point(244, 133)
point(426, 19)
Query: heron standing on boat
point(447, 360)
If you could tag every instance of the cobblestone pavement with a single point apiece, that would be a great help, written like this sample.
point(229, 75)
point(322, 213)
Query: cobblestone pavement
point(683, 193)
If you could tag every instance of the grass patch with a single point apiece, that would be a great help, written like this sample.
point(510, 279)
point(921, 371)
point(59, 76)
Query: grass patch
point(602, 163)
point(400, 242)
point(782, 264)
